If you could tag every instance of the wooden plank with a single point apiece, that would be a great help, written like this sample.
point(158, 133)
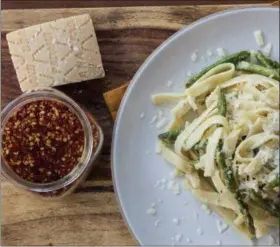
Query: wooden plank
point(163, 18)
point(83, 218)
point(35, 4)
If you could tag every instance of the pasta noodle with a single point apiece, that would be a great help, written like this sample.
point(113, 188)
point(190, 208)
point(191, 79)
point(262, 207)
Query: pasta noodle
point(227, 152)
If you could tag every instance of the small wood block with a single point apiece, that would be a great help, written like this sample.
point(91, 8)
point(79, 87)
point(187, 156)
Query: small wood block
point(113, 99)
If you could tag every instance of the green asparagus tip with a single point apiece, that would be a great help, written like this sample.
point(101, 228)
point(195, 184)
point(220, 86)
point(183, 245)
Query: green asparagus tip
point(169, 137)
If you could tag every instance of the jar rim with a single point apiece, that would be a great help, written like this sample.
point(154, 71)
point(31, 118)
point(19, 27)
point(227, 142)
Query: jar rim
point(54, 95)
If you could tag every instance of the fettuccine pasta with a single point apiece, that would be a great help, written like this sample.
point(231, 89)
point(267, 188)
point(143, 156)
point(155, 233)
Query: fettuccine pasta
point(229, 153)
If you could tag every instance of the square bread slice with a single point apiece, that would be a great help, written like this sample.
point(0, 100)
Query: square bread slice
point(56, 53)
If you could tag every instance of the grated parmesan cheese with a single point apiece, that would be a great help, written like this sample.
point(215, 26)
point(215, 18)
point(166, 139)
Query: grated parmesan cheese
point(209, 53)
point(151, 211)
point(153, 119)
point(157, 184)
point(163, 181)
point(157, 223)
point(259, 37)
point(178, 237)
point(206, 209)
point(272, 124)
point(161, 123)
point(271, 240)
point(267, 49)
point(170, 184)
point(188, 240)
point(169, 84)
point(221, 226)
point(175, 187)
point(176, 221)
point(194, 57)
point(252, 184)
point(158, 148)
point(218, 242)
point(199, 231)
point(221, 52)
point(160, 114)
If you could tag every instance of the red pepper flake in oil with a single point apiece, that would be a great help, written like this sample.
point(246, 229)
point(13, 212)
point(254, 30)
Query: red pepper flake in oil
point(43, 141)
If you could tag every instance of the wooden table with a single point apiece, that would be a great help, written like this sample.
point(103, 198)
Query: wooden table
point(126, 37)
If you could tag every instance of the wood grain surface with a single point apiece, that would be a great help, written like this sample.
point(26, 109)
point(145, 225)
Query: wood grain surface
point(36, 4)
point(90, 216)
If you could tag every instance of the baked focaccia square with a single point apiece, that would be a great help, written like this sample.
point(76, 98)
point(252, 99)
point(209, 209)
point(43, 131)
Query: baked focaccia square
point(56, 53)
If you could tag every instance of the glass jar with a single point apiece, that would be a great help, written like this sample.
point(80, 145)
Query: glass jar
point(92, 145)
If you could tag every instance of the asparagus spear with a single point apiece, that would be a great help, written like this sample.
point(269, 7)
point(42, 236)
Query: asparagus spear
point(275, 182)
point(226, 171)
point(232, 186)
point(169, 137)
point(245, 211)
point(233, 58)
point(266, 204)
point(222, 103)
point(266, 61)
point(201, 144)
point(254, 68)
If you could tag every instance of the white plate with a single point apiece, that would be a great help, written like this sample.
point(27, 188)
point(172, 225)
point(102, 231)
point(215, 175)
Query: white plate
point(135, 172)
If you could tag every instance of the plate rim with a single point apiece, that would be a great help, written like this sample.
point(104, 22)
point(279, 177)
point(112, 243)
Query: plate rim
point(133, 81)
